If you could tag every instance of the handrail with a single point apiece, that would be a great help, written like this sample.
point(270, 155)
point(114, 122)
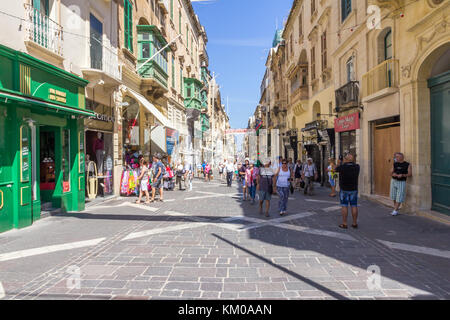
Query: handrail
point(384, 75)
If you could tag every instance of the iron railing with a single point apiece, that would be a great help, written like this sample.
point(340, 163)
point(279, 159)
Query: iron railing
point(44, 31)
point(347, 94)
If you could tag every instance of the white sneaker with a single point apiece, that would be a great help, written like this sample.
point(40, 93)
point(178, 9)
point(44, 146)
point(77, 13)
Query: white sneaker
point(394, 213)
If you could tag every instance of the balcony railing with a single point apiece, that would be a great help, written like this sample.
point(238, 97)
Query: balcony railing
point(108, 62)
point(348, 94)
point(383, 76)
point(44, 31)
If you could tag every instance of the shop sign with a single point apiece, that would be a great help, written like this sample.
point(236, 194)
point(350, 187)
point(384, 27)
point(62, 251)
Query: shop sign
point(171, 140)
point(102, 117)
point(57, 95)
point(347, 123)
point(66, 186)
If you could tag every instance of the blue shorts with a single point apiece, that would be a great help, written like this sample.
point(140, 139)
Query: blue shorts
point(264, 195)
point(332, 182)
point(349, 198)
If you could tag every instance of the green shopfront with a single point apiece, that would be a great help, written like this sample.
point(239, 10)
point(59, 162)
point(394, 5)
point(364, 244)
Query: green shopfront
point(41, 139)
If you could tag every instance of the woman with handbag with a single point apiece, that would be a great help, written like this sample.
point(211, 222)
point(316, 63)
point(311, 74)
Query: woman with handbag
point(265, 185)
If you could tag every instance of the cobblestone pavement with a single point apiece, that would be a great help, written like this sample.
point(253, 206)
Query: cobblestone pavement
point(209, 244)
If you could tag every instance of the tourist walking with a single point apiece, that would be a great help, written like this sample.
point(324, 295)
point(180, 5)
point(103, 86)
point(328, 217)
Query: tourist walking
point(298, 174)
point(188, 175)
point(229, 169)
point(143, 178)
point(309, 174)
point(400, 171)
point(332, 176)
point(242, 178)
point(265, 186)
point(179, 171)
point(249, 183)
point(158, 173)
point(348, 183)
point(283, 177)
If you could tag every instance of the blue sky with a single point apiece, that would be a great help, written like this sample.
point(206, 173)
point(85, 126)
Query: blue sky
point(240, 32)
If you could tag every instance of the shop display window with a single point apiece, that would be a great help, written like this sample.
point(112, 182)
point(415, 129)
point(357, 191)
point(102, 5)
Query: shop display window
point(66, 159)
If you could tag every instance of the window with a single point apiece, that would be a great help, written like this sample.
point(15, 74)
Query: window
point(128, 25)
point(96, 48)
point(350, 70)
point(388, 46)
point(188, 92)
point(300, 25)
point(346, 6)
point(181, 81)
point(313, 63)
point(313, 6)
point(173, 71)
point(324, 50)
point(148, 46)
point(179, 22)
point(187, 36)
point(41, 6)
point(171, 9)
point(292, 45)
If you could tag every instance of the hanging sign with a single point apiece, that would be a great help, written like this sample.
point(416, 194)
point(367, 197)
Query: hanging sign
point(171, 140)
point(347, 123)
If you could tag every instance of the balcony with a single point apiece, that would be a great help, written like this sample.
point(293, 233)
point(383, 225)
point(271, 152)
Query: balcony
point(192, 88)
point(43, 31)
point(104, 66)
point(348, 95)
point(380, 78)
point(301, 93)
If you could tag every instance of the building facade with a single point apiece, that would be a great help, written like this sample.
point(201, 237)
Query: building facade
point(369, 78)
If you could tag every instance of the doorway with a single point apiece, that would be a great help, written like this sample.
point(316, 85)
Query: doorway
point(47, 161)
point(440, 142)
point(386, 141)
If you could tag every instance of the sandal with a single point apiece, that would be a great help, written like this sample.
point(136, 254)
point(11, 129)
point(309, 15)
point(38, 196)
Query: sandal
point(354, 226)
point(343, 226)
point(161, 200)
point(138, 202)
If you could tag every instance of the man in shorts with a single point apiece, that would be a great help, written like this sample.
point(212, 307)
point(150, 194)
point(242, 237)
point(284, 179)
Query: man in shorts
point(348, 182)
point(158, 170)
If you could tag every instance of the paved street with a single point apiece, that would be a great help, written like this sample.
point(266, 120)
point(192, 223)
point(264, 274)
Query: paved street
point(208, 244)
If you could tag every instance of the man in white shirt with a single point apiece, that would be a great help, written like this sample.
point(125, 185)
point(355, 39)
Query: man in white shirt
point(229, 168)
point(309, 174)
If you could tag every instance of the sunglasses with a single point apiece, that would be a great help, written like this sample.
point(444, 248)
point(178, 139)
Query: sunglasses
point(284, 162)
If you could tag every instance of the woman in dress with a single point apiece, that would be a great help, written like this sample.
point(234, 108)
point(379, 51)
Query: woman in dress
point(143, 178)
point(332, 176)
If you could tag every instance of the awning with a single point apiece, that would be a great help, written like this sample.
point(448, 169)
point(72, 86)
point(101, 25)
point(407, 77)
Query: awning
point(150, 107)
point(42, 104)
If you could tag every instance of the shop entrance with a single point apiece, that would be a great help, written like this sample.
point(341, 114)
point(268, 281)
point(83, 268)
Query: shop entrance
point(47, 161)
point(99, 149)
point(386, 142)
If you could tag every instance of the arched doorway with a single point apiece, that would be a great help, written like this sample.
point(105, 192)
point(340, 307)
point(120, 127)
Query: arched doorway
point(434, 102)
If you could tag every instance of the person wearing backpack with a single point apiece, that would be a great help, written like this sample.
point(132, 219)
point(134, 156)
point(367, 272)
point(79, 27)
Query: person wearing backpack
point(158, 172)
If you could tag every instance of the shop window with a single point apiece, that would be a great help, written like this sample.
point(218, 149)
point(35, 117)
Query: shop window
point(128, 25)
point(25, 153)
point(66, 159)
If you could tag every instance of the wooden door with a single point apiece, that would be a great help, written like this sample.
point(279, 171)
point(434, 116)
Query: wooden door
point(386, 143)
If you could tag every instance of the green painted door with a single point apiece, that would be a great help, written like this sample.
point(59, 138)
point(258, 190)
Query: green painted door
point(25, 176)
point(440, 142)
point(6, 180)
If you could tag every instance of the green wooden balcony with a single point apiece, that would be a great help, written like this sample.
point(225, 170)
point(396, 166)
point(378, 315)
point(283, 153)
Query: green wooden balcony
point(192, 95)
